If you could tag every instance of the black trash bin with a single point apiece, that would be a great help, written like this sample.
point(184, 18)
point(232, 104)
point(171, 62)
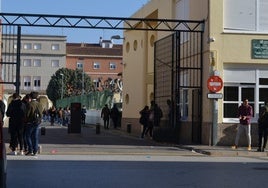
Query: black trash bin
point(75, 125)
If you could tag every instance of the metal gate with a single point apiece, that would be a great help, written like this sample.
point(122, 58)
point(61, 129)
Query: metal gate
point(178, 78)
point(10, 56)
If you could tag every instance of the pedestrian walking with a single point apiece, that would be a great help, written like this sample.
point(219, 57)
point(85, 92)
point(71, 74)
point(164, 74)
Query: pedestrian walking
point(244, 114)
point(115, 115)
point(105, 115)
point(16, 114)
point(34, 116)
point(155, 116)
point(144, 117)
point(83, 114)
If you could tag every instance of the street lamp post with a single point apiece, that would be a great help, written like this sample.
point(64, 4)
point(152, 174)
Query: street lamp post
point(61, 86)
point(83, 80)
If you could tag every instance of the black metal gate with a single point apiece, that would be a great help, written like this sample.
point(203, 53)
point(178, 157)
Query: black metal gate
point(178, 78)
point(10, 59)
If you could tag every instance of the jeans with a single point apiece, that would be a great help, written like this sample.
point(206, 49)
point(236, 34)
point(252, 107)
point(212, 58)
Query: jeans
point(32, 137)
point(242, 128)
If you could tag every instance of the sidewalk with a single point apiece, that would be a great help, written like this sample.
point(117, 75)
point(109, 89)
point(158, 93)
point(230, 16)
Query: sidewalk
point(57, 140)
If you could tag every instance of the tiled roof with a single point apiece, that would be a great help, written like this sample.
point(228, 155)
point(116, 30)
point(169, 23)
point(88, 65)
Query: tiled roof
point(93, 49)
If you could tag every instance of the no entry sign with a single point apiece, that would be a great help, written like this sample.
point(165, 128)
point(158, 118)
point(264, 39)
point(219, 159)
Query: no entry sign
point(214, 83)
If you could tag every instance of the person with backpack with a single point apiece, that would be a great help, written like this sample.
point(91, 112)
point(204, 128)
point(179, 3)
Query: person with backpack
point(34, 117)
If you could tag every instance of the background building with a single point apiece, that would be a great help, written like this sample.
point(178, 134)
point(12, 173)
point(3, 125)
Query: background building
point(102, 61)
point(40, 57)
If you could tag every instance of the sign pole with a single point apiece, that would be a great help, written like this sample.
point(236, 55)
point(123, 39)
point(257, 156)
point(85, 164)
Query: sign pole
point(215, 122)
point(214, 84)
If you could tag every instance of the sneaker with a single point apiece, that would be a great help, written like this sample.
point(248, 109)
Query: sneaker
point(29, 153)
point(21, 152)
point(249, 148)
point(13, 153)
point(234, 147)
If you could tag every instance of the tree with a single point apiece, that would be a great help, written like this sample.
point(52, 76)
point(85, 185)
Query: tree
point(72, 84)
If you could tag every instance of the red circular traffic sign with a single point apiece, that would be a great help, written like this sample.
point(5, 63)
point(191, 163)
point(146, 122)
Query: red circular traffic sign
point(214, 83)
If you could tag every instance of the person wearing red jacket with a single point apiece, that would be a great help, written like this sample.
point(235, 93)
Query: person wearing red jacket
point(245, 113)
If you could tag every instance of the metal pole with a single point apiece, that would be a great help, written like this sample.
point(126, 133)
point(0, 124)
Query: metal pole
point(215, 122)
point(83, 81)
point(61, 86)
point(17, 83)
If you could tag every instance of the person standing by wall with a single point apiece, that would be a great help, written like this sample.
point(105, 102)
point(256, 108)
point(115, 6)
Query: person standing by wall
point(144, 119)
point(34, 116)
point(244, 114)
point(263, 128)
point(105, 115)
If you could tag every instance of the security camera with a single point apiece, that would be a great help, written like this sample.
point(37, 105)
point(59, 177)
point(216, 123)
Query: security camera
point(211, 39)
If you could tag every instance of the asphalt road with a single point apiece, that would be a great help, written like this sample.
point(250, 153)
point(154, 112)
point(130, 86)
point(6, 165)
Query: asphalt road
point(116, 171)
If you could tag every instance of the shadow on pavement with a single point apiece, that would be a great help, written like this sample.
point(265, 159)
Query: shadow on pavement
point(59, 135)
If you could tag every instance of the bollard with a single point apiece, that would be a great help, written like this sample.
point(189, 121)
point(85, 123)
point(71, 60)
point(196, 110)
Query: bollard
point(129, 128)
point(97, 128)
point(43, 131)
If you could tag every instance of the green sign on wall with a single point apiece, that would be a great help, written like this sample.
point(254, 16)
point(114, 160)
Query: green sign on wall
point(259, 49)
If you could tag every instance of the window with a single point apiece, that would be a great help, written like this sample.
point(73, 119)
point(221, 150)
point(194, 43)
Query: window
point(37, 81)
point(246, 15)
point(240, 84)
point(55, 63)
point(112, 66)
point(96, 65)
point(37, 62)
point(96, 83)
point(55, 47)
point(27, 62)
point(233, 97)
point(184, 97)
point(27, 82)
point(37, 46)
point(27, 46)
point(184, 104)
point(79, 65)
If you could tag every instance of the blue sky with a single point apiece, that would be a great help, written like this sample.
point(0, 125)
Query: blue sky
point(110, 8)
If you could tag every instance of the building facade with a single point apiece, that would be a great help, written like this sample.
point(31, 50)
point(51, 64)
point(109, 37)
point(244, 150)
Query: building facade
point(40, 57)
point(102, 62)
point(234, 48)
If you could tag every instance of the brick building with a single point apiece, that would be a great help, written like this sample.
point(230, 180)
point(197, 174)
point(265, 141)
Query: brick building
point(101, 61)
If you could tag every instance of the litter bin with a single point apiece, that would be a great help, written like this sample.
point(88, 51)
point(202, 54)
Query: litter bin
point(75, 125)
point(97, 128)
point(129, 128)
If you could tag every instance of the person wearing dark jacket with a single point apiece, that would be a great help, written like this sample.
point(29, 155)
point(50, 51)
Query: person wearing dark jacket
point(144, 119)
point(16, 114)
point(34, 116)
point(263, 128)
point(105, 115)
point(115, 115)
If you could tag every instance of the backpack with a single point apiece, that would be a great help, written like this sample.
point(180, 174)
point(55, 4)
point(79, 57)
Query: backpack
point(36, 117)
